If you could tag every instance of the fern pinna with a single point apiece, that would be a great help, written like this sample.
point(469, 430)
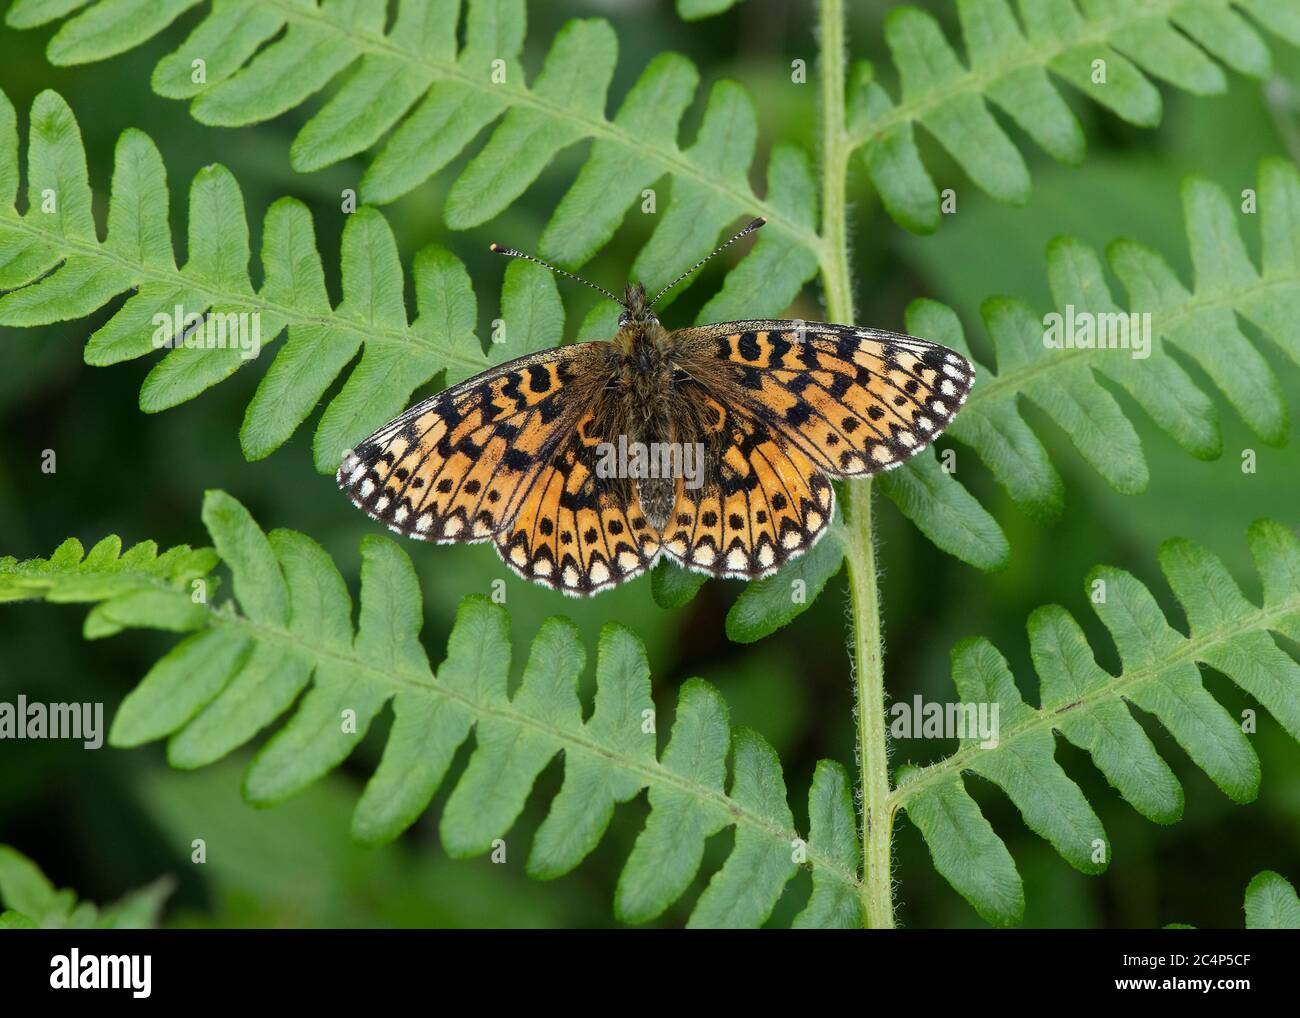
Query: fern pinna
point(61, 270)
point(29, 900)
point(427, 97)
point(285, 643)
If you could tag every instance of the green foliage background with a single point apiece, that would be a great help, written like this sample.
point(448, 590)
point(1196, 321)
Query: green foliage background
point(114, 821)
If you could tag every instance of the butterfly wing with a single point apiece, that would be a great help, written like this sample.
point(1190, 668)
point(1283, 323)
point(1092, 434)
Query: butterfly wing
point(765, 502)
point(509, 456)
point(857, 401)
point(575, 531)
point(793, 403)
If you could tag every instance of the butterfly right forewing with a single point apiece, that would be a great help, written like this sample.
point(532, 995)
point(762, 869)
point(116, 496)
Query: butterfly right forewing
point(856, 401)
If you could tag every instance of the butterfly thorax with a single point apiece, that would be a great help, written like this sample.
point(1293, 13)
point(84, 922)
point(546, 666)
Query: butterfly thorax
point(642, 403)
point(643, 368)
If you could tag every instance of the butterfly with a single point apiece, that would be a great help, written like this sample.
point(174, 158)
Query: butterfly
point(713, 446)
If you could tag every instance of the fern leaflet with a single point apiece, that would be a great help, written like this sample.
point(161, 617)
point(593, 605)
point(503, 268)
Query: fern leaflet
point(30, 901)
point(1087, 705)
point(249, 61)
point(287, 637)
point(1271, 903)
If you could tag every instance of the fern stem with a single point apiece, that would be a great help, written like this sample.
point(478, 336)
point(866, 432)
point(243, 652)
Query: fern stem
point(835, 152)
point(876, 890)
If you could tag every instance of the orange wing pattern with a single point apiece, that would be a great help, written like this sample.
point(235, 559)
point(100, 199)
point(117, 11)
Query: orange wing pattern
point(770, 502)
point(507, 456)
point(855, 401)
point(575, 532)
point(808, 400)
point(779, 406)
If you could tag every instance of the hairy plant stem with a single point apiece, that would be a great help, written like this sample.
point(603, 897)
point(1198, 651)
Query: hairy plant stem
point(868, 667)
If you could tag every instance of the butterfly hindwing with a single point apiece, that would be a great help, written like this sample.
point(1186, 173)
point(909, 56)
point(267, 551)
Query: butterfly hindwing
point(575, 531)
point(766, 502)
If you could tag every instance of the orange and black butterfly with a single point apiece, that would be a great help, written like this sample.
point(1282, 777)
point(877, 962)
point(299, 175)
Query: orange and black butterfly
point(755, 415)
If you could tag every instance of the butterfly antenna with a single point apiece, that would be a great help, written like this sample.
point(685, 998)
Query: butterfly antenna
point(761, 221)
point(510, 252)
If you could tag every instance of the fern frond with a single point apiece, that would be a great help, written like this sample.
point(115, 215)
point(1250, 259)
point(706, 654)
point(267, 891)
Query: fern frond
point(412, 84)
point(30, 901)
point(1105, 49)
point(1202, 321)
point(287, 638)
point(58, 269)
point(1089, 707)
point(1271, 903)
point(246, 62)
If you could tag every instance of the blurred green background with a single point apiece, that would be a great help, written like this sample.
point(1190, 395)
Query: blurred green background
point(110, 821)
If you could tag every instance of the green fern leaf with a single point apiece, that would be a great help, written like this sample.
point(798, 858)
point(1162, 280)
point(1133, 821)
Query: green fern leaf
point(1086, 704)
point(31, 901)
point(832, 832)
point(672, 586)
point(286, 644)
point(695, 10)
point(1271, 903)
point(247, 62)
point(1106, 51)
point(1202, 322)
point(134, 589)
point(768, 604)
point(61, 271)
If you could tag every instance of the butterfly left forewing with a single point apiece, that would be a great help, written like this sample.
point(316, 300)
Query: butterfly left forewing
point(457, 466)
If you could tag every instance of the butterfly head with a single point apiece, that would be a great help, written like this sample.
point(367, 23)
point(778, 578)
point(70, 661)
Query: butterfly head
point(636, 310)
